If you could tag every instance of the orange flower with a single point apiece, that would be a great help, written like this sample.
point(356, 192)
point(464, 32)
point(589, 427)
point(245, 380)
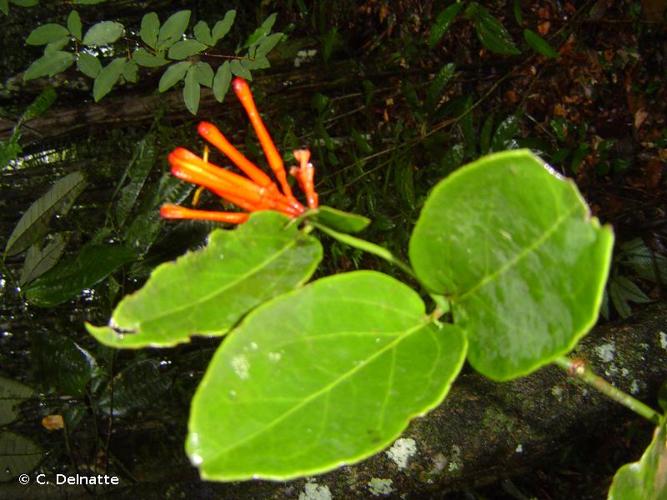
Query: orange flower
point(256, 191)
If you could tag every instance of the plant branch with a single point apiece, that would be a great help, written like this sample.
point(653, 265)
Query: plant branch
point(579, 369)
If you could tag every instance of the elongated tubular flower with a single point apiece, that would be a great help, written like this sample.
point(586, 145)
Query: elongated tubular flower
point(257, 191)
point(242, 91)
point(169, 211)
point(305, 176)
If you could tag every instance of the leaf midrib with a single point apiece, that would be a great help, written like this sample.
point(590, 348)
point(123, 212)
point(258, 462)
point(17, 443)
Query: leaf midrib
point(518, 257)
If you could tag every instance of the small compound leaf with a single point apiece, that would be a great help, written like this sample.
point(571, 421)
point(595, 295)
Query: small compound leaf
point(103, 33)
point(514, 248)
point(46, 33)
point(130, 71)
point(49, 65)
point(144, 58)
point(150, 26)
point(185, 48)
point(18, 455)
point(62, 364)
point(191, 91)
point(173, 74)
point(208, 291)
point(88, 65)
point(203, 33)
point(69, 278)
point(56, 45)
point(204, 74)
point(34, 223)
point(222, 27)
point(11, 394)
point(107, 78)
point(263, 30)
point(327, 374)
point(40, 260)
point(268, 44)
point(539, 44)
point(647, 478)
point(74, 25)
point(442, 23)
point(173, 28)
point(240, 70)
point(223, 78)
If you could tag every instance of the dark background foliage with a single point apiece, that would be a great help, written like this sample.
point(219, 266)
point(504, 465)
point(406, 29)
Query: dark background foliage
point(388, 106)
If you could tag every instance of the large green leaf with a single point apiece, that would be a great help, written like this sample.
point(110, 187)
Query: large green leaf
point(69, 278)
point(39, 260)
point(18, 455)
point(208, 291)
point(646, 479)
point(325, 375)
point(513, 247)
point(34, 223)
point(11, 394)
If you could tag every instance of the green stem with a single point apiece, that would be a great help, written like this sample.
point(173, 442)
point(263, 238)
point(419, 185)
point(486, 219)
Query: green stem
point(579, 369)
point(366, 246)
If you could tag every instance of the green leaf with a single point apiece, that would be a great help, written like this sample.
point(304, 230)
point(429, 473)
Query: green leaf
point(39, 260)
point(40, 105)
point(61, 363)
point(108, 77)
point(56, 45)
point(88, 65)
point(268, 44)
point(173, 74)
point(338, 220)
point(485, 135)
point(144, 58)
point(191, 91)
point(208, 291)
point(137, 387)
point(442, 23)
point(25, 3)
point(221, 28)
point(223, 78)
point(645, 479)
point(263, 30)
point(18, 455)
point(504, 136)
point(4, 7)
point(46, 33)
point(12, 393)
point(434, 92)
point(69, 278)
point(88, 2)
point(130, 71)
point(74, 25)
point(140, 166)
point(204, 74)
point(186, 48)
point(328, 374)
point(518, 15)
point(643, 261)
point(239, 69)
point(622, 291)
point(539, 44)
point(150, 26)
point(491, 32)
point(173, 28)
point(516, 251)
point(103, 33)
point(203, 33)
point(34, 223)
point(49, 65)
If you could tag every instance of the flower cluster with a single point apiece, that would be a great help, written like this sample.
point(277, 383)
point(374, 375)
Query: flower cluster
point(252, 192)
